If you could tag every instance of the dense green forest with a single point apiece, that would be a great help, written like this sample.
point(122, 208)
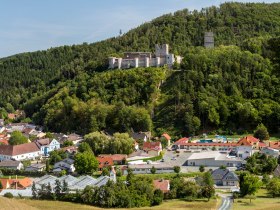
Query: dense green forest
point(231, 88)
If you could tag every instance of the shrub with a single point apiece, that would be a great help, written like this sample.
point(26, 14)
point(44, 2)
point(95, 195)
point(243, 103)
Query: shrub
point(8, 195)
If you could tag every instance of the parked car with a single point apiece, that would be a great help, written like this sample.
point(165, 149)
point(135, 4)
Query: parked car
point(173, 158)
point(162, 160)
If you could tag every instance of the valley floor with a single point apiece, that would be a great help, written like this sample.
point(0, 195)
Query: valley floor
point(26, 204)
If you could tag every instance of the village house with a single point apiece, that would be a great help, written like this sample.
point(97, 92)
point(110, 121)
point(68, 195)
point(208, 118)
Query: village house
point(250, 141)
point(70, 151)
point(104, 162)
point(152, 148)
point(270, 151)
point(274, 145)
point(66, 164)
point(224, 177)
point(141, 136)
point(11, 164)
point(167, 138)
point(118, 159)
point(161, 184)
point(18, 183)
point(36, 167)
point(73, 137)
point(20, 152)
point(47, 145)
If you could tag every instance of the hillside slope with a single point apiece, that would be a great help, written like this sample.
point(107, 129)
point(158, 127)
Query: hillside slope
point(57, 85)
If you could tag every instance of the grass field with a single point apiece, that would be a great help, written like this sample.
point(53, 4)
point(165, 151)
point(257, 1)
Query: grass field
point(17, 204)
point(262, 202)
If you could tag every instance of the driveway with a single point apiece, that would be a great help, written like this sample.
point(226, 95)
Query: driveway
point(226, 202)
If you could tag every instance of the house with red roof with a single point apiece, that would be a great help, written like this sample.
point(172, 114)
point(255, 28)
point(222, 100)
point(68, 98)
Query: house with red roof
point(152, 148)
point(167, 138)
point(118, 159)
point(249, 141)
point(161, 184)
point(104, 162)
point(16, 183)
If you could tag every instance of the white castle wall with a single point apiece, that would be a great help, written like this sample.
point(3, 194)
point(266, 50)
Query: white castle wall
point(162, 57)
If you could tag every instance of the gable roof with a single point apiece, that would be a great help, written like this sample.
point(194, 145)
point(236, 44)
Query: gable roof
point(156, 145)
point(13, 150)
point(224, 175)
point(43, 142)
point(9, 163)
point(137, 136)
point(165, 135)
point(115, 157)
point(274, 145)
point(162, 185)
point(182, 141)
point(247, 141)
point(105, 161)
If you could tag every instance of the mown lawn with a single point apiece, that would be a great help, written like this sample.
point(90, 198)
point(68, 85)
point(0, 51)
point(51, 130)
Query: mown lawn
point(26, 204)
point(262, 202)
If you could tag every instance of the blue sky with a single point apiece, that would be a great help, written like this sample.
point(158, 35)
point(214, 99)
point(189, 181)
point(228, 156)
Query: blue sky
point(30, 25)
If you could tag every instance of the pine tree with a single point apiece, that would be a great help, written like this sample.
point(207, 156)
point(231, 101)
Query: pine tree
point(65, 188)
point(57, 188)
point(34, 191)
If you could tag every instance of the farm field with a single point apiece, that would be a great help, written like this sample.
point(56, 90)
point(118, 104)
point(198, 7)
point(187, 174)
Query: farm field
point(26, 204)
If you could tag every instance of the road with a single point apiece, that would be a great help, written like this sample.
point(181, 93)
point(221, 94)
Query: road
point(226, 203)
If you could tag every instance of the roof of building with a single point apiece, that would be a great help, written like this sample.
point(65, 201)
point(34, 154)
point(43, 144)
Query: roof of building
point(152, 146)
point(115, 157)
point(149, 166)
point(13, 150)
point(137, 136)
point(212, 155)
point(10, 163)
point(43, 142)
point(37, 165)
point(214, 144)
point(224, 175)
point(165, 135)
point(247, 141)
point(204, 155)
point(70, 149)
point(163, 185)
point(182, 141)
point(74, 137)
point(262, 144)
point(274, 144)
point(105, 161)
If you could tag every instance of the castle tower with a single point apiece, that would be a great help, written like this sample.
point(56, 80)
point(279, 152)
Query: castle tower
point(162, 50)
point(112, 61)
point(209, 40)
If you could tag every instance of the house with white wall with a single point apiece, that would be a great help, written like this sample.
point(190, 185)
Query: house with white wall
point(47, 145)
point(20, 152)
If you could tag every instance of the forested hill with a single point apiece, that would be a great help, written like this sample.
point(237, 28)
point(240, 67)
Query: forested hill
point(54, 86)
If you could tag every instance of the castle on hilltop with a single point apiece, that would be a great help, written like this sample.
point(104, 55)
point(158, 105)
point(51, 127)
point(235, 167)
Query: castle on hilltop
point(161, 57)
